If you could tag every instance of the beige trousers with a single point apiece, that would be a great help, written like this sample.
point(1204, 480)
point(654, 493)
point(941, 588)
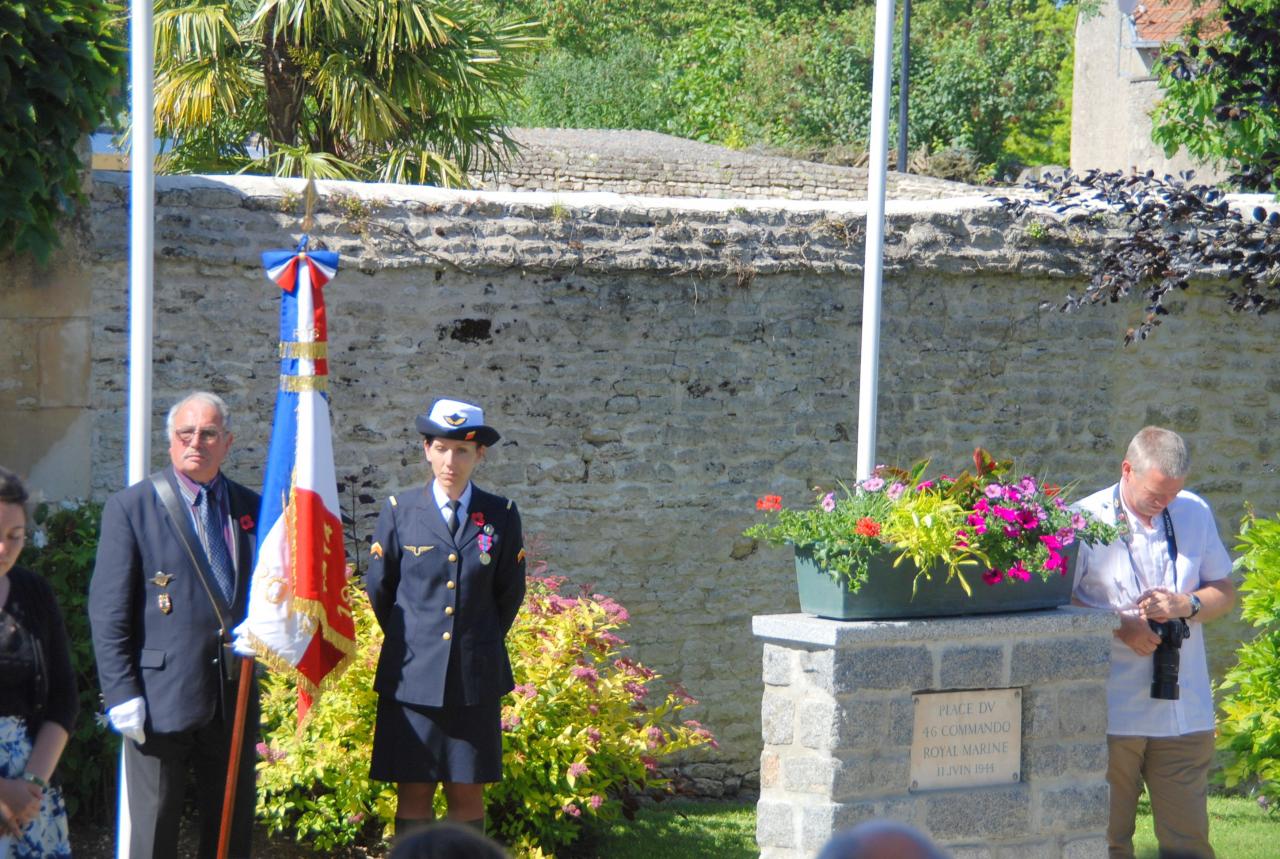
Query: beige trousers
point(1176, 773)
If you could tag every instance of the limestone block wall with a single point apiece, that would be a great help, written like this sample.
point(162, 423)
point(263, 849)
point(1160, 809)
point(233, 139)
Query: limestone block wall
point(837, 722)
point(45, 397)
point(656, 364)
point(646, 162)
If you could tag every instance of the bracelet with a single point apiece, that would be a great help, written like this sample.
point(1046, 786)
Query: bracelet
point(35, 779)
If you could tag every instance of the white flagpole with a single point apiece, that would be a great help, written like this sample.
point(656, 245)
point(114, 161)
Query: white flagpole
point(873, 265)
point(142, 184)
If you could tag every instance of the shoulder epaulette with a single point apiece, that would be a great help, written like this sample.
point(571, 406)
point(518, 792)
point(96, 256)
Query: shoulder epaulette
point(392, 499)
point(509, 503)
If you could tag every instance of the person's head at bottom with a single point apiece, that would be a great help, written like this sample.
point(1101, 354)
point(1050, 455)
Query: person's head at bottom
point(881, 839)
point(446, 840)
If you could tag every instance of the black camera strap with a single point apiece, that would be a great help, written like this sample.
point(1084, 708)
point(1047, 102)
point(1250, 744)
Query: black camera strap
point(1170, 540)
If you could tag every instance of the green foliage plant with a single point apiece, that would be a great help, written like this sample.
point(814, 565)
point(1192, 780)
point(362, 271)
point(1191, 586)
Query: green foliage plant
point(583, 734)
point(621, 90)
point(62, 550)
point(61, 64)
point(1006, 527)
point(1249, 730)
point(586, 728)
point(835, 529)
point(395, 92)
point(923, 526)
point(313, 779)
point(1221, 84)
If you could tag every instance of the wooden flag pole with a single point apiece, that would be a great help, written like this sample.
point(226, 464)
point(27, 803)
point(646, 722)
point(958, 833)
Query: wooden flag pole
point(233, 760)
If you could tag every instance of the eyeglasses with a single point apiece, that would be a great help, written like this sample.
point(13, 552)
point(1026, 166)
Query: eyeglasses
point(208, 435)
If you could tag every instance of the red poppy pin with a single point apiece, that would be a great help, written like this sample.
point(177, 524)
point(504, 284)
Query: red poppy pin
point(246, 522)
point(477, 519)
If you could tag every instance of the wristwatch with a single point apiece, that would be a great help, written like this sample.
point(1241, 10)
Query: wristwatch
point(1195, 606)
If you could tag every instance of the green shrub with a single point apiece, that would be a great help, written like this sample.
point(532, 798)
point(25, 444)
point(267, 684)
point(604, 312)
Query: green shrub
point(583, 733)
point(584, 728)
point(621, 90)
point(61, 65)
point(62, 550)
point(315, 780)
point(1249, 730)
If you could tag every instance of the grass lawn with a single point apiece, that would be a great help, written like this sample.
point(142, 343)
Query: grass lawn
point(1238, 829)
point(677, 830)
point(681, 829)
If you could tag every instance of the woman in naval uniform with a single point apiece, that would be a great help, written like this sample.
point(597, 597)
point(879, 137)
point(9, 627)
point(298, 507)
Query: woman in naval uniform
point(446, 578)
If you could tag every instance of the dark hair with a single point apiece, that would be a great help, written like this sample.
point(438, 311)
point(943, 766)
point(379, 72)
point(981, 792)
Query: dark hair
point(447, 841)
point(12, 489)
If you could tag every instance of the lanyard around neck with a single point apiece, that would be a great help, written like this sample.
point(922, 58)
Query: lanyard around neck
point(1127, 536)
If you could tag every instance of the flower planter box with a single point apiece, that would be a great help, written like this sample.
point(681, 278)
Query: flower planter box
point(886, 594)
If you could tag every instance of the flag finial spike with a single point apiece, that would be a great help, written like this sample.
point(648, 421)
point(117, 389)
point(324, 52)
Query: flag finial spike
point(309, 206)
point(302, 243)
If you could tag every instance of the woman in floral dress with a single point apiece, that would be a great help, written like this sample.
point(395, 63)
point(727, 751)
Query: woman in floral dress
point(38, 699)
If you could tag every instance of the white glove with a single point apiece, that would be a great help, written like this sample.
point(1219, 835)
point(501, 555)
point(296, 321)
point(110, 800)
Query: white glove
point(129, 718)
point(241, 645)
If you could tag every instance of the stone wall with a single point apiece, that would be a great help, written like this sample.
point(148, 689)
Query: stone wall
point(646, 162)
point(45, 399)
point(656, 364)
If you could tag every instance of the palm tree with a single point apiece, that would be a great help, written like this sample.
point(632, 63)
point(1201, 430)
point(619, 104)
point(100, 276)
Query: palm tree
point(391, 90)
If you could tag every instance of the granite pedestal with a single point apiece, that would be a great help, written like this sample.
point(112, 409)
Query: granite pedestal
point(837, 721)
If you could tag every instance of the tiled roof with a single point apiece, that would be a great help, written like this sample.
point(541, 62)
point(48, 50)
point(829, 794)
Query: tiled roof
point(1164, 20)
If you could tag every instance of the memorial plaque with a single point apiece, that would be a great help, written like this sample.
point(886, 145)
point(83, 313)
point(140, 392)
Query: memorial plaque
point(965, 739)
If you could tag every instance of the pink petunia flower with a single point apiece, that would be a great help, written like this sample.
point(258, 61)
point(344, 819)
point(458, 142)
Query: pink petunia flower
point(1008, 514)
point(873, 484)
point(829, 502)
point(992, 577)
point(1017, 571)
point(895, 491)
point(993, 490)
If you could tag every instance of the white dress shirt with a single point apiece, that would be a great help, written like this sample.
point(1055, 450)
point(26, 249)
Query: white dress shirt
point(1116, 575)
point(442, 501)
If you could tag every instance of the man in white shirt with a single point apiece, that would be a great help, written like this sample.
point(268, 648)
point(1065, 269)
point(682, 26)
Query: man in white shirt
point(1169, 565)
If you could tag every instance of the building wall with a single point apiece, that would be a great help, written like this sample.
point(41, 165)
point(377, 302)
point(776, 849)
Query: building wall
point(1113, 95)
point(45, 398)
point(656, 364)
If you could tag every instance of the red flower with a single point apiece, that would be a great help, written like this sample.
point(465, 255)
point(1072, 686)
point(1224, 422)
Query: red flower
point(246, 522)
point(1050, 489)
point(769, 502)
point(477, 519)
point(867, 527)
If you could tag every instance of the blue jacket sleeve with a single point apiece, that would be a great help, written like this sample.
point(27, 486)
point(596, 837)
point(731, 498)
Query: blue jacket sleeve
point(116, 577)
point(508, 582)
point(382, 578)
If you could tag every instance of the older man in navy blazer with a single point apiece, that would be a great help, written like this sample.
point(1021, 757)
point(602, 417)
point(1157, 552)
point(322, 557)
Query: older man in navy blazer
point(171, 581)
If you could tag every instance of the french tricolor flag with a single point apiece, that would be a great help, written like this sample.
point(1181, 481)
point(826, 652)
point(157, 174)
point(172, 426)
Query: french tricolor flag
point(299, 618)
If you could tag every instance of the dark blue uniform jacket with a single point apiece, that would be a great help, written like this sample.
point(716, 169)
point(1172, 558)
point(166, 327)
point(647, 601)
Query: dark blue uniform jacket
point(435, 595)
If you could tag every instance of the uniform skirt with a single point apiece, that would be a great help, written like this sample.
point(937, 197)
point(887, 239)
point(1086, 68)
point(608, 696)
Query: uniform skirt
point(454, 743)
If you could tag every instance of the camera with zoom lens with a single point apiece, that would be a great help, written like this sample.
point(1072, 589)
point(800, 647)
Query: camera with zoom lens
point(1164, 675)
